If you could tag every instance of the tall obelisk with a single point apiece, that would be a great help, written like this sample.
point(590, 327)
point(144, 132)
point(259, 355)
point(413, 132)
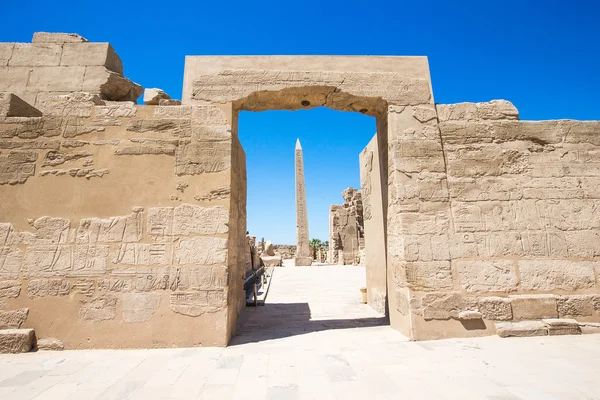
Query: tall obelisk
point(302, 247)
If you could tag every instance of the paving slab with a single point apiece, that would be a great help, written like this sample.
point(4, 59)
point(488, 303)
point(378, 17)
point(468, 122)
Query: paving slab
point(314, 339)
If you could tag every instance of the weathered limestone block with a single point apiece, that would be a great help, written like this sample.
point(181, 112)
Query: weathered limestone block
point(521, 329)
point(52, 37)
point(10, 289)
point(49, 344)
point(196, 220)
point(13, 106)
point(35, 55)
point(216, 194)
point(197, 157)
point(271, 261)
point(170, 126)
point(30, 145)
point(8, 235)
point(116, 285)
point(424, 247)
point(86, 287)
point(169, 102)
point(139, 307)
point(49, 230)
point(488, 276)
point(142, 254)
point(589, 327)
point(100, 54)
point(334, 89)
point(16, 166)
point(431, 223)
point(485, 188)
point(152, 96)
point(562, 326)
point(201, 251)
point(16, 340)
point(575, 305)
point(195, 304)
point(48, 260)
point(116, 229)
point(10, 262)
point(152, 279)
point(442, 305)
point(13, 319)
point(269, 249)
point(424, 113)
point(48, 287)
point(425, 186)
point(495, 308)
point(580, 131)
point(44, 260)
point(99, 309)
point(116, 109)
point(77, 104)
point(494, 110)
point(486, 160)
point(415, 156)
point(6, 50)
point(426, 276)
point(469, 315)
point(556, 274)
point(534, 306)
point(87, 173)
point(198, 278)
point(59, 79)
point(110, 85)
point(187, 219)
point(54, 158)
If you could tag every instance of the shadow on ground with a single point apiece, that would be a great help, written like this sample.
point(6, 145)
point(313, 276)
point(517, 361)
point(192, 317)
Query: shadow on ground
point(280, 320)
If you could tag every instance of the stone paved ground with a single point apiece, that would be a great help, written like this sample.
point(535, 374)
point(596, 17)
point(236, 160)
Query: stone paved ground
point(314, 340)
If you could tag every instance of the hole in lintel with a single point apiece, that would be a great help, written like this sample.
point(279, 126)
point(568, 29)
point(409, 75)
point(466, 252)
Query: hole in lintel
point(305, 103)
point(363, 111)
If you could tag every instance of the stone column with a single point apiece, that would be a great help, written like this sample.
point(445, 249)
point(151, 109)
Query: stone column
point(302, 248)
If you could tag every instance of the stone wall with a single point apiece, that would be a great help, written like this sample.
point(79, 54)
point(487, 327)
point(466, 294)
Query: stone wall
point(117, 225)
point(374, 196)
point(346, 230)
point(501, 219)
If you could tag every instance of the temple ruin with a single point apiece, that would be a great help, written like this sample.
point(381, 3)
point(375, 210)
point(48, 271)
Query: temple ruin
point(124, 225)
point(346, 230)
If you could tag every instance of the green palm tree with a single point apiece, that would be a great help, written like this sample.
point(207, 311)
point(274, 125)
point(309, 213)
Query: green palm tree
point(314, 245)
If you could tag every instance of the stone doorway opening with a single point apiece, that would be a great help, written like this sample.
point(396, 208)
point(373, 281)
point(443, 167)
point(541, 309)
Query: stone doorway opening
point(322, 296)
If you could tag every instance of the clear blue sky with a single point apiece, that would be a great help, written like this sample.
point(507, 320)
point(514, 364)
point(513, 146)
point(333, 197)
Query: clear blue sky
point(544, 56)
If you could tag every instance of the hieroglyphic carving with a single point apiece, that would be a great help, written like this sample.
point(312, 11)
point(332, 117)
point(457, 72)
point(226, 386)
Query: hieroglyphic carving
point(201, 251)
point(10, 262)
point(16, 166)
point(143, 254)
point(49, 260)
point(48, 287)
point(197, 303)
point(197, 157)
point(100, 308)
point(139, 307)
point(116, 229)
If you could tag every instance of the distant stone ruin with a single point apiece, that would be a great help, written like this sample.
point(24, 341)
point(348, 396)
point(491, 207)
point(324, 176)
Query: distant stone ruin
point(346, 230)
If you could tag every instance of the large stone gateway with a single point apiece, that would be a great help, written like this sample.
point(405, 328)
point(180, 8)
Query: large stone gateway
point(124, 225)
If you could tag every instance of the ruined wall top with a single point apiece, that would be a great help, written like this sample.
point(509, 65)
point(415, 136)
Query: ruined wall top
point(62, 63)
